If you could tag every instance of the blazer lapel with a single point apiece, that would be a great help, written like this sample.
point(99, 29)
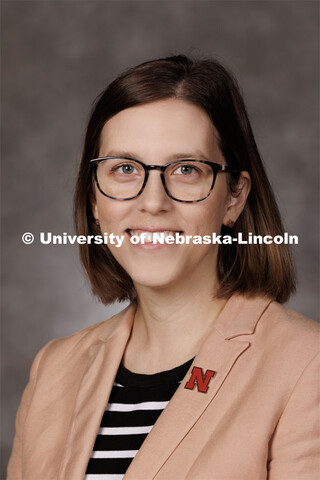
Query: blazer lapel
point(94, 390)
point(219, 352)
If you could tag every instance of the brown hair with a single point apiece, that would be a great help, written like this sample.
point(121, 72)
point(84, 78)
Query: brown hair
point(250, 269)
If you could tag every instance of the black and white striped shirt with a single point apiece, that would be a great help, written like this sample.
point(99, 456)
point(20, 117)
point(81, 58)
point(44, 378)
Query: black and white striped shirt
point(135, 403)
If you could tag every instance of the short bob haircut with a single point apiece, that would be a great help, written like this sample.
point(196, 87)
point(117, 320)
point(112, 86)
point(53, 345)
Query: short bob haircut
point(248, 269)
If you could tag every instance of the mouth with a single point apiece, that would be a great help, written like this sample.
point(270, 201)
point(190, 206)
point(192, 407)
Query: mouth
point(153, 236)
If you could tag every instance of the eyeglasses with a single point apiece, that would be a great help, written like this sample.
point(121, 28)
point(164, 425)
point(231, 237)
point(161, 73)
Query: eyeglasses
point(188, 180)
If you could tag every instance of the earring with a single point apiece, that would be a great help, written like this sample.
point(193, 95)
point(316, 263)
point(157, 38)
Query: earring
point(230, 223)
point(97, 221)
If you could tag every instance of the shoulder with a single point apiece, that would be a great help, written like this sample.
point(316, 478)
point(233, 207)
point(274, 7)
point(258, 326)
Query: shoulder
point(75, 347)
point(266, 321)
point(285, 315)
point(286, 342)
point(290, 327)
point(278, 337)
point(282, 346)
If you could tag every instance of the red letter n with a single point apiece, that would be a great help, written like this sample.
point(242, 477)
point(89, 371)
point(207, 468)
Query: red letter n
point(202, 380)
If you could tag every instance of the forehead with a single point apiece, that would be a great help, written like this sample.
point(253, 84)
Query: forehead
point(161, 128)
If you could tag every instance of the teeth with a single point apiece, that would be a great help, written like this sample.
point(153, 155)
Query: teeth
point(151, 237)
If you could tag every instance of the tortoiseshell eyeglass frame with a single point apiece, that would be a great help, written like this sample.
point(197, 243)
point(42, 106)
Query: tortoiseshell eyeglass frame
point(216, 168)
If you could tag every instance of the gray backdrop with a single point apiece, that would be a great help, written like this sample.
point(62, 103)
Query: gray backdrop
point(56, 57)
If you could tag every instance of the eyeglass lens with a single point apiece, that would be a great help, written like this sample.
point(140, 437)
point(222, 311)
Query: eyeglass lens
point(187, 181)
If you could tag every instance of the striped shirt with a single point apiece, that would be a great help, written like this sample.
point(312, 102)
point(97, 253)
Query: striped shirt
point(135, 403)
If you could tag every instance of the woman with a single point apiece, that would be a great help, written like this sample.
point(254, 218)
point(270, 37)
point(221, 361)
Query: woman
point(205, 375)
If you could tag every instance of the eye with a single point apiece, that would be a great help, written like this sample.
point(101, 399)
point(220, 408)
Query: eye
point(185, 170)
point(125, 168)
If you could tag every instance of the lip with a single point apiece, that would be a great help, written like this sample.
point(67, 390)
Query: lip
point(154, 229)
point(151, 245)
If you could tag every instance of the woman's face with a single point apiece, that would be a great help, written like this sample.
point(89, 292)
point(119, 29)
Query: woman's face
point(157, 133)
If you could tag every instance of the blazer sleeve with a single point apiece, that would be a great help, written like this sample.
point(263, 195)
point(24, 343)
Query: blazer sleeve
point(15, 466)
point(294, 449)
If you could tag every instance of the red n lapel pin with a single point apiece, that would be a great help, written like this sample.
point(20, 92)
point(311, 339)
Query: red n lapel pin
point(200, 379)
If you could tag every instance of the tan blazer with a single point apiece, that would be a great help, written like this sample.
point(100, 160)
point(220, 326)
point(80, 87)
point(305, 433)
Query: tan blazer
point(259, 418)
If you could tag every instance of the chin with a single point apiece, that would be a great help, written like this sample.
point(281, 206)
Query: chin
point(154, 281)
point(154, 278)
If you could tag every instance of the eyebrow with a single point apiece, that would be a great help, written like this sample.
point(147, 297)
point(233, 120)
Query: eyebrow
point(197, 154)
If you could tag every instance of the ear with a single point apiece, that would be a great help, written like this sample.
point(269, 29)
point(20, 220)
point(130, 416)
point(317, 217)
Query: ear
point(237, 200)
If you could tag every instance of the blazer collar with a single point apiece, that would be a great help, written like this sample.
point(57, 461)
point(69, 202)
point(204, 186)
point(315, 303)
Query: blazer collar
point(103, 360)
point(121, 323)
point(240, 315)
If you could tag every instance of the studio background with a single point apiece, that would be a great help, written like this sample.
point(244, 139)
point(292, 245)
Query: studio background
point(57, 56)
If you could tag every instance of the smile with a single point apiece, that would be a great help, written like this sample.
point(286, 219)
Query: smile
point(148, 239)
point(151, 237)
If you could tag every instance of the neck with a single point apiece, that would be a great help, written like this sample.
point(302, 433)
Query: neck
point(171, 323)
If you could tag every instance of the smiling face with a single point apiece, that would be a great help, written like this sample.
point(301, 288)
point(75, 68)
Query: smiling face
point(157, 133)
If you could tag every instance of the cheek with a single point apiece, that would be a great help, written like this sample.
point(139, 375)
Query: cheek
point(208, 217)
point(217, 205)
point(110, 214)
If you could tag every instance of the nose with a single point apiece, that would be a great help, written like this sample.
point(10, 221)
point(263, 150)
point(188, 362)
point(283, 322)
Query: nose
point(154, 198)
